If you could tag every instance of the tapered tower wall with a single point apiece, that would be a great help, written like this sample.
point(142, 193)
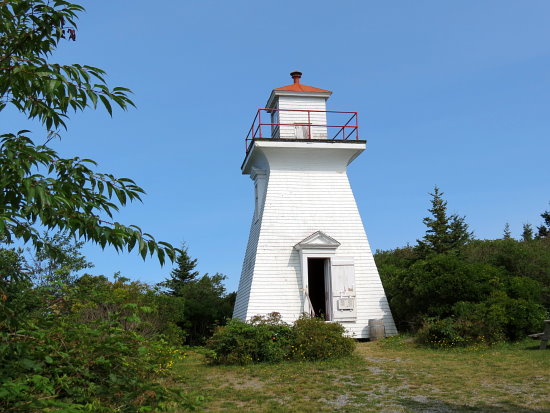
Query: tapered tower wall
point(306, 190)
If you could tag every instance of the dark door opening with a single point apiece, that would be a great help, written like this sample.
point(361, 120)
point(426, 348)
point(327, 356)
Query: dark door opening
point(316, 279)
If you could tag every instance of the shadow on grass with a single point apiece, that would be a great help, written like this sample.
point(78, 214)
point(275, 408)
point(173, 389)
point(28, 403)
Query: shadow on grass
point(536, 346)
point(437, 406)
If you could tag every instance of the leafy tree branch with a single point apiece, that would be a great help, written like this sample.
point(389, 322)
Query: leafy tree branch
point(38, 187)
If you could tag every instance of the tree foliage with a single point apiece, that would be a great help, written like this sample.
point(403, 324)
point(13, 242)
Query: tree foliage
point(454, 290)
point(207, 303)
point(506, 233)
point(527, 233)
point(38, 187)
point(59, 261)
point(444, 232)
point(16, 296)
point(182, 274)
point(529, 259)
point(93, 345)
point(65, 344)
point(30, 32)
point(544, 229)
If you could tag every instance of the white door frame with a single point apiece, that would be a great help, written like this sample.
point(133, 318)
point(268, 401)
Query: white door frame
point(317, 245)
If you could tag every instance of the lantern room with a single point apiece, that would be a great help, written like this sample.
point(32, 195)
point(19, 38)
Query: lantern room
point(299, 112)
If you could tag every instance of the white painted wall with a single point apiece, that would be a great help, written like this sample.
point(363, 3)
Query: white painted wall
point(291, 117)
point(307, 191)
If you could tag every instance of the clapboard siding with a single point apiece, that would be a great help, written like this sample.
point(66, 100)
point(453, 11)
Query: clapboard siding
point(243, 293)
point(291, 117)
point(307, 191)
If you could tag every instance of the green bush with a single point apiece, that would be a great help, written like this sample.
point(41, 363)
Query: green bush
point(315, 339)
point(68, 366)
point(480, 323)
point(528, 259)
point(263, 339)
point(268, 339)
point(430, 287)
point(95, 299)
point(439, 333)
point(81, 349)
point(451, 300)
point(454, 290)
point(495, 319)
point(72, 366)
point(523, 317)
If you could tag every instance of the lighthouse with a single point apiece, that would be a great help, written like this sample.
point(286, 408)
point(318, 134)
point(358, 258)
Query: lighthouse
point(307, 250)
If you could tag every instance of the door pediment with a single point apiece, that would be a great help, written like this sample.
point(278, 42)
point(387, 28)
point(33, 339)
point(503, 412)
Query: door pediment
point(317, 240)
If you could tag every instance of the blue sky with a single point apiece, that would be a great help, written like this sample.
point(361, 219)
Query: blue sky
point(449, 93)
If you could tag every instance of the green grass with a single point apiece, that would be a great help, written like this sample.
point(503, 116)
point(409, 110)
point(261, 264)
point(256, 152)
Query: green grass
point(392, 375)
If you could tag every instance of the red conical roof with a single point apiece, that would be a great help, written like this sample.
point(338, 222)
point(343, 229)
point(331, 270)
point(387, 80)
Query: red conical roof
point(298, 87)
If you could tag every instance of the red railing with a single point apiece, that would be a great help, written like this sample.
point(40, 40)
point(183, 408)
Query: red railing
point(332, 120)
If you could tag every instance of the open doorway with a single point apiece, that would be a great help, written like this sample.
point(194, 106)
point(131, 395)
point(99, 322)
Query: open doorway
point(318, 282)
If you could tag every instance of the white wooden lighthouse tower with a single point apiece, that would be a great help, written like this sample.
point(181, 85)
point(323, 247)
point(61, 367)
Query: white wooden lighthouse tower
point(307, 250)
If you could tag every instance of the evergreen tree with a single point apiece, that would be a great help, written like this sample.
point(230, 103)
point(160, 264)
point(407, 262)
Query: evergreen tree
point(527, 234)
point(206, 302)
point(458, 232)
point(445, 232)
point(206, 305)
point(544, 229)
point(507, 234)
point(182, 274)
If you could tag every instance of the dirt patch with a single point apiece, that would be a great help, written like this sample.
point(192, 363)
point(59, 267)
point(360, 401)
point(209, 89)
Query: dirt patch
point(380, 360)
point(375, 370)
point(340, 401)
point(249, 383)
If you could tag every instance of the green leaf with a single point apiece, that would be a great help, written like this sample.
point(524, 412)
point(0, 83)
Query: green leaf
point(29, 364)
point(107, 104)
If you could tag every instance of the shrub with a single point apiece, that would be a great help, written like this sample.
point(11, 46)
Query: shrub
point(480, 323)
point(493, 320)
point(439, 333)
point(315, 339)
point(81, 350)
point(523, 317)
point(430, 287)
point(529, 259)
point(67, 366)
point(460, 300)
point(263, 339)
point(95, 298)
point(269, 339)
